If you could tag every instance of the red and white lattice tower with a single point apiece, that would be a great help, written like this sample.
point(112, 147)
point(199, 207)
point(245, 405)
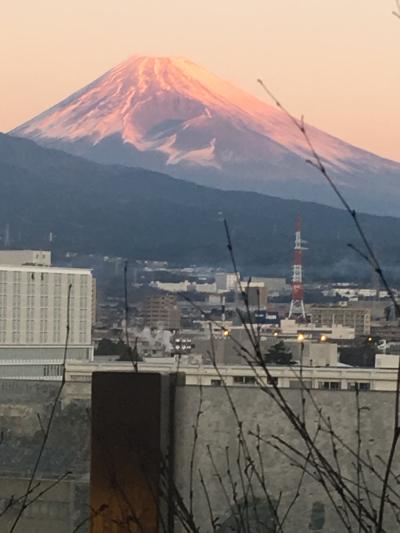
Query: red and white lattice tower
point(297, 310)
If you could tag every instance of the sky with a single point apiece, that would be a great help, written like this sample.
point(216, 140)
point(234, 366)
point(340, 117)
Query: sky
point(336, 62)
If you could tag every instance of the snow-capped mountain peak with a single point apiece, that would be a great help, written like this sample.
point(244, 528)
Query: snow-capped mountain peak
point(167, 113)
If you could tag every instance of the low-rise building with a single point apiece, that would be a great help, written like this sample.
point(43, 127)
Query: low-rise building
point(334, 332)
point(339, 378)
point(358, 318)
point(226, 281)
point(185, 286)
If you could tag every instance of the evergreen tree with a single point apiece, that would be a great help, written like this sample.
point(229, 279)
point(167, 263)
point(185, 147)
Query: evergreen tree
point(278, 354)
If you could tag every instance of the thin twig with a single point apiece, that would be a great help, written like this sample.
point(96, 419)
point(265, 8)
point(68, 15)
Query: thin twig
point(372, 259)
point(126, 309)
point(25, 502)
point(213, 520)
point(397, 13)
point(194, 445)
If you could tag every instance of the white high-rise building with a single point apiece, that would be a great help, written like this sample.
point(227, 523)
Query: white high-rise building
point(34, 311)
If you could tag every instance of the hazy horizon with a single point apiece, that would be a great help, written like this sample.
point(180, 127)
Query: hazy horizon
point(335, 64)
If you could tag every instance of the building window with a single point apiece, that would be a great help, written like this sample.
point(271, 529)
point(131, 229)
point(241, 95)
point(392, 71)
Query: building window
point(330, 385)
point(56, 333)
point(244, 380)
point(361, 386)
point(216, 382)
point(57, 304)
point(52, 370)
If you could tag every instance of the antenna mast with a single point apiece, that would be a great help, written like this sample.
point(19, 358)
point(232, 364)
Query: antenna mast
point(297, 310)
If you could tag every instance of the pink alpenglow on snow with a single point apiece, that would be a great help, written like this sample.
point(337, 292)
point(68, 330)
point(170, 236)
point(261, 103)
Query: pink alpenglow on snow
point(171, 115)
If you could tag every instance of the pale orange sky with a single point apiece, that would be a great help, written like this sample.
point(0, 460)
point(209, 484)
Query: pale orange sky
point(336, 62)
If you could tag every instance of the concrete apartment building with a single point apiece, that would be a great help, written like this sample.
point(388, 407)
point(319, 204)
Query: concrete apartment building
point(162, 312)
point(34, 308)
point(353, 317)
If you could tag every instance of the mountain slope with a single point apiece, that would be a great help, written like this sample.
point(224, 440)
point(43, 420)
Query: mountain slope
point(168, 114)
point(114, 210)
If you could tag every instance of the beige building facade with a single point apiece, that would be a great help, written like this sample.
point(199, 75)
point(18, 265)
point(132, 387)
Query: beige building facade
point(352, 317)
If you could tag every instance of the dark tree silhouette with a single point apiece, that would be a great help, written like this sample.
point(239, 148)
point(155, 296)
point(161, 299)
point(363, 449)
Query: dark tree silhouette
point(361, 353)
point(278, 354)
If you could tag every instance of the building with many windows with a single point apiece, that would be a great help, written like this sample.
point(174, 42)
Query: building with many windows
point(35, 302)
point(339, 378)
point(358, 318)
point(162, 312)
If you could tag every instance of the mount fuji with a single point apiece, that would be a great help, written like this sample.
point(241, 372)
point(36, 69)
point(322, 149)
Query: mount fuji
point(171, 115)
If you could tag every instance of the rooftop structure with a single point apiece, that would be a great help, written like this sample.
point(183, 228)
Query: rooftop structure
point(25, 257)
point(290, 328)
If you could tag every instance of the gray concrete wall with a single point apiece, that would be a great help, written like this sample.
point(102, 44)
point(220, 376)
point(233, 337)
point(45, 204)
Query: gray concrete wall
point(64, 507)
point(218, 430)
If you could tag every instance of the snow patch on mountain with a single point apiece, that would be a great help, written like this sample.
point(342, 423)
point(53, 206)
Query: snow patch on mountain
point(142, 92)
point(171, 114)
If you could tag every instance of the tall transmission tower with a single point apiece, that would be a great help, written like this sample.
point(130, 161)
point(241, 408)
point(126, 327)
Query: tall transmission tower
point(297, 310)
